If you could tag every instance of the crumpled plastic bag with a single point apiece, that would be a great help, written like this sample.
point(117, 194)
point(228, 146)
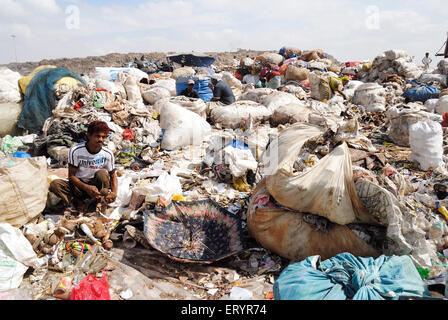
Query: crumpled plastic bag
point(11, 144)
point(91, 288)
point(165, 186)
point(16, 255)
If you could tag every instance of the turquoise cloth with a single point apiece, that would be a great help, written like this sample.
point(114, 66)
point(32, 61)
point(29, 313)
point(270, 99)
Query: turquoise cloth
point(348, 277)
point(39, 100)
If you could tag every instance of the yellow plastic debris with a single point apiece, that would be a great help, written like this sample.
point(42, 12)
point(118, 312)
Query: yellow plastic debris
point(241, 184)
point(178, 197)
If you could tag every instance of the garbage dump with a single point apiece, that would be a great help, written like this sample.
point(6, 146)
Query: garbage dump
point(146, 181)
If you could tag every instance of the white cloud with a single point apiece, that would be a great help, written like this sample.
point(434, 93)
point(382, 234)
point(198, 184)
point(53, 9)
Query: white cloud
point(43, 6)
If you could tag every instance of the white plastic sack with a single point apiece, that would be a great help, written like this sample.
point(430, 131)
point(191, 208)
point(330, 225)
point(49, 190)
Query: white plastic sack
point(401, 118)
point(16, 256)
point(442, 105)
point(23, 198)
point(169, 84)
point(9, 86)
point(182, 127)
point(326, 189)
point(278, 99)
point(108, 85)
point(272, 58)
point(431, 104)
point(239, 160)
point(10, 113)
point(395, 54)
point(183, 72)
point(319, 86)
point(426, 140)
point(443, 66)
point(430, 77)
point(372, 96)
point(407, 69)
point(236, 114)
point(291, 113)
point(195, 105)
point(256, 95)
point(134, 95)
point(154, 94)
point(350, 88)
point(231, 80)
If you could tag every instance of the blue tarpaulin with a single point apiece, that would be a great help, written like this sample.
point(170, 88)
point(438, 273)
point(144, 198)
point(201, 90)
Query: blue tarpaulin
point(39, 100)
point(421, 93)
point(192, 60)
point(348, 277)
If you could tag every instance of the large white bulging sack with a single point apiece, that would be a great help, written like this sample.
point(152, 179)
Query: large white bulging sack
point(169, 84)
point(294, 73)
point(110, 86)
point(238, 113)
point(406, 68)
point(320, 86)
point(9, 86)
point(432, 77)
point(154, 94)
point(426, 140)
point(278, 99)
point(272, 58)
point(442, 105)
point(401, 118)
point(24, 189)
point(291, 113)
point(133, 92)
point(371, 96)
point(326, 189)
point(182, 127)
point(350, 88)
point(183, 72)
point(395, 54)
point(443, 66)
point(288, 234)
point(431, 104)
point(195, 105)
point(10, 113)
point(256, 95)
point(16, 256)
point(230, 79)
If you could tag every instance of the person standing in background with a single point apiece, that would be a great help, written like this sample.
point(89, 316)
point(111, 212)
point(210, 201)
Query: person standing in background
point(426, 61)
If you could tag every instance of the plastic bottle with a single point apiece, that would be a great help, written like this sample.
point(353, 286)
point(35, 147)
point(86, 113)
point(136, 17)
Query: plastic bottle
point(62, 291)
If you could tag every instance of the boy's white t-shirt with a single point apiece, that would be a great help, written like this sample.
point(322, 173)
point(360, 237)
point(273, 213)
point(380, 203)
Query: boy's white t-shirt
point(89, 163)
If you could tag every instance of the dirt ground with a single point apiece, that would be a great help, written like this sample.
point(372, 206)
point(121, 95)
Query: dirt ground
point(87, 65)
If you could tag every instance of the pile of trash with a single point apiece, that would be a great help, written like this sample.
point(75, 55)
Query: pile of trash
point(316, 159)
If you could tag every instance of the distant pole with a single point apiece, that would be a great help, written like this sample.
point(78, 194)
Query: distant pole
point(14, 41)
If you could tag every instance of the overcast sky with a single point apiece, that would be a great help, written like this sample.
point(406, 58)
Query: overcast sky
point(347, 29)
